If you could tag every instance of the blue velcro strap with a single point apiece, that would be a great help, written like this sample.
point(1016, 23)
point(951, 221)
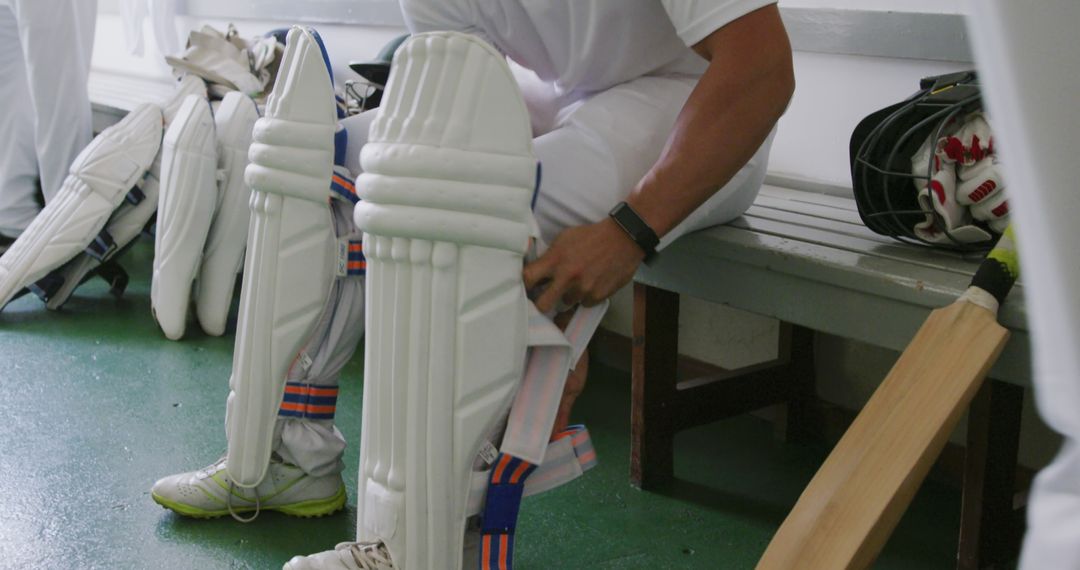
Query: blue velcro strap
point(102, 247)
point(501, 505)
point(536, 188)
point(341, 145)
point(501, 509)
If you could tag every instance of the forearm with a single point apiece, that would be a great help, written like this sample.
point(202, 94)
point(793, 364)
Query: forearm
point(728, 115)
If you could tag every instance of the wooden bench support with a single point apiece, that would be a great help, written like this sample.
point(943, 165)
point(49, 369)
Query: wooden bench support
point(990, 527)
point(663, 406)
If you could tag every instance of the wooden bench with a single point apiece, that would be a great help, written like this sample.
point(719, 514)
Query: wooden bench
point(806, 259)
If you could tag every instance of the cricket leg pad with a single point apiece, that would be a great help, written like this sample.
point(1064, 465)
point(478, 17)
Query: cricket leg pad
point(101, 176)
point(290, 263)
point(445, 196)
point(223, 256)
point(185, 208)
point(125, 224)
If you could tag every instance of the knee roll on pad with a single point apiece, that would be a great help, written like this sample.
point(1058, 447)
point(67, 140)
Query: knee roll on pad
point(446, 193)
point(185, 208)
point(101, 176)
point(290, 264)
point(223, 255)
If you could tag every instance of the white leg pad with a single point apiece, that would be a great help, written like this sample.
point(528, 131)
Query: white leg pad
point(125, 224)
point(224, 253)
point(445, 209)
point(101, 176)
point(291, 260)
point(127, 221)
point(185, 207)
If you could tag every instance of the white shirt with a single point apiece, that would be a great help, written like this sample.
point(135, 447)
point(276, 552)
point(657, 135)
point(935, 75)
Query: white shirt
point(586, 45)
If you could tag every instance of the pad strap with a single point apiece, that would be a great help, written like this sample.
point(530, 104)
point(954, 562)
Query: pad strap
point(343, 187)
point(308, 401)
point(135, 196)
point(351, 261)
point(569, 455)
point(102, 247)
point(552, 354)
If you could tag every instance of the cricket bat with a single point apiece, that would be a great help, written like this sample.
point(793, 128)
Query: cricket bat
point(853, 503)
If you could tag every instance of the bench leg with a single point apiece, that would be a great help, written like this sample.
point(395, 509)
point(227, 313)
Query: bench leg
point(797, 345)
point(655, 354)
point(989, 526)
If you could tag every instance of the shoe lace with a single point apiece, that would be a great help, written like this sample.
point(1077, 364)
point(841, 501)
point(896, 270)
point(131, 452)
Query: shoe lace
point(234, 514)
point(368, 555)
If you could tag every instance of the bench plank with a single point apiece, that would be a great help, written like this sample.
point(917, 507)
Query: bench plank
point(790, 258)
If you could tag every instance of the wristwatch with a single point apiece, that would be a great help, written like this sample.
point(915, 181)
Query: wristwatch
point(636, 228)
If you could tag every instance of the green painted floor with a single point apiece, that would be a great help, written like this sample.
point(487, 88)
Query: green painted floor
point(98, 404)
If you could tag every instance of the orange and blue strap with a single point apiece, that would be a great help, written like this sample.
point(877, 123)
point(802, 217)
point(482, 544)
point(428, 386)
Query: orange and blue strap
point(308, 401)
point(356, 263)
point(344, 187)
point(498, 522)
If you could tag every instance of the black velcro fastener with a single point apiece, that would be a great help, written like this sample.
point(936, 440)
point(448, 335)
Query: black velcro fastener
point(135, 196)
point(47, 286)
point(115, 276)
point(102, 247)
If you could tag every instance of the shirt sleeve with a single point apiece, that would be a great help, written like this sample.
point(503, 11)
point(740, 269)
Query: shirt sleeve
point(696, 19)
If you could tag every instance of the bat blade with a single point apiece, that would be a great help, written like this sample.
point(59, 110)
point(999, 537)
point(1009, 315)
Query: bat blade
point(855, 500)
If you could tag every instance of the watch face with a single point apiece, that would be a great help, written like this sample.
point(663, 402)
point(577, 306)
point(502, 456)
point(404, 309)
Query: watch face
point(635, 227)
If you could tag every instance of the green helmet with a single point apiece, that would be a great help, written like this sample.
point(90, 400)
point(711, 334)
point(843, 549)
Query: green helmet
point(377, 70)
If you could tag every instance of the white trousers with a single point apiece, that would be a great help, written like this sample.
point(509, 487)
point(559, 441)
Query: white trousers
point(593, 151)
point(1029, 64)
point(45, 115)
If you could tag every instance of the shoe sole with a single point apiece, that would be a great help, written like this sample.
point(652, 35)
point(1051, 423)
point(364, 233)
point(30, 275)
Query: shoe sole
point(304, 509)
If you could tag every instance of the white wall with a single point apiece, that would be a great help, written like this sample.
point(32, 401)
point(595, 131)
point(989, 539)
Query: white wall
point(832, 94)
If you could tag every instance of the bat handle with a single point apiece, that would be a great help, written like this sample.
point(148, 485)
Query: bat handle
point(999, 271)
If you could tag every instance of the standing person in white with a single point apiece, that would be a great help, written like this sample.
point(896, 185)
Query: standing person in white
point(660, 112)
point(44, 106)
point(1031, 69)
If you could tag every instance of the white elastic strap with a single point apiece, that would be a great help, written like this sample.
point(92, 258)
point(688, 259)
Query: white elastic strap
point(551, 355)
point(566, 459)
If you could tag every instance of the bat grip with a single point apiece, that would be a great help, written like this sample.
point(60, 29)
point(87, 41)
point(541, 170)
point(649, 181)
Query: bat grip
point(999, 271)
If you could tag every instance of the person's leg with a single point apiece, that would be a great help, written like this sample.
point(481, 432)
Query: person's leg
point(605, 144)
point(600, 149)
point(57, 38)
point(18, 161)
point(1030, 68)
point(304, 449)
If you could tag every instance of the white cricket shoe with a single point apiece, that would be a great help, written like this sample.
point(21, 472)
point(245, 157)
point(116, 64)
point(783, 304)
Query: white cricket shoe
point(345, 556)
point(210, 493)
